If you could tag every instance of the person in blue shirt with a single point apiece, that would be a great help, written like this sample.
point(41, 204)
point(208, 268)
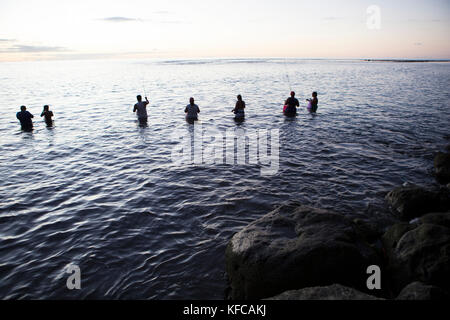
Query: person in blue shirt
point(25, 119)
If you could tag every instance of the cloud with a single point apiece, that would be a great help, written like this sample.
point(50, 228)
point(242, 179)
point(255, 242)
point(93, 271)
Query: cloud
point(424, 20)
point(127, 19)
point(32, 49)
point(418, 43)
point(105, 55)
point(7, 40)
point(119, 19)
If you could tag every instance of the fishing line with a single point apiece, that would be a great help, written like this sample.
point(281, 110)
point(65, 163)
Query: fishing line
point(143, 83)
point(287, 75)
point(143, 73)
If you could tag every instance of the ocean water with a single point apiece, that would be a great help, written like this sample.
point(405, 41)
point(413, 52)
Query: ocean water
point(99, 191)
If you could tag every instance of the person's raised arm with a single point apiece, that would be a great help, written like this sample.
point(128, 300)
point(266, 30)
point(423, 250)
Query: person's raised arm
point(43, 113)
point(146, 101)
point(135, 108)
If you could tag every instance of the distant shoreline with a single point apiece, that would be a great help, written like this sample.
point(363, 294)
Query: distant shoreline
point(402, 60)
point(174, 60)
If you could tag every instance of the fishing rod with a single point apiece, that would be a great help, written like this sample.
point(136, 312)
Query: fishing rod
point(287, 75)
point(143, 84)
point(143, 73)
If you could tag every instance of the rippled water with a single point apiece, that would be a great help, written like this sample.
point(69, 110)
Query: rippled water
point(101, 192)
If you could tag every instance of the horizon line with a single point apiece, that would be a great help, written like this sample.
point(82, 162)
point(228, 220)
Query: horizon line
point(115, 57)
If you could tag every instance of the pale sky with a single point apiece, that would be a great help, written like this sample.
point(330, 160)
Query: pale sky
point(78, 29)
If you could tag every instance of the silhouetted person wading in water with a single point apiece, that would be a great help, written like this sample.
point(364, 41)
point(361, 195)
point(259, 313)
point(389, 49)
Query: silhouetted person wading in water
point(48, 116)
point(141, 108)
point(25, 119)
point(192, 110)
point(239, 108)
point(291, 105)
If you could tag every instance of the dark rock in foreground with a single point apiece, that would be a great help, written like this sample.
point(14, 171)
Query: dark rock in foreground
point(420, 291)
point(333, 292)
point(419, 252)
point(294, 247)
point(442, 167)
point(439, 218)
point(413, 201)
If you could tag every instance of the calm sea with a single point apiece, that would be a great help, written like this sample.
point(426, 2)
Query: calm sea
point(103, 193)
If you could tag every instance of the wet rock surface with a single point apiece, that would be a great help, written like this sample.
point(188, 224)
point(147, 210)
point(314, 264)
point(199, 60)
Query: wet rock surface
point(409, 202)
point(298, 252)
point(442, 167)
point(419, 252)
point(295, 247)
point(420, 291)
point(333, 292)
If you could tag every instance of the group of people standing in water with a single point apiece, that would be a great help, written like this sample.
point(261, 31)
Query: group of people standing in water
point(192, 110)
point(25, 117)
point(291, 104)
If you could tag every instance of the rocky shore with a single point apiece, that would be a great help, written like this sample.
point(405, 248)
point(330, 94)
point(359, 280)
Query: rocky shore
point(298, 252)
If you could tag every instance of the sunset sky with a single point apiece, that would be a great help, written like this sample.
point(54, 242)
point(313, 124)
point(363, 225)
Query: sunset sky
point(80, 29)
